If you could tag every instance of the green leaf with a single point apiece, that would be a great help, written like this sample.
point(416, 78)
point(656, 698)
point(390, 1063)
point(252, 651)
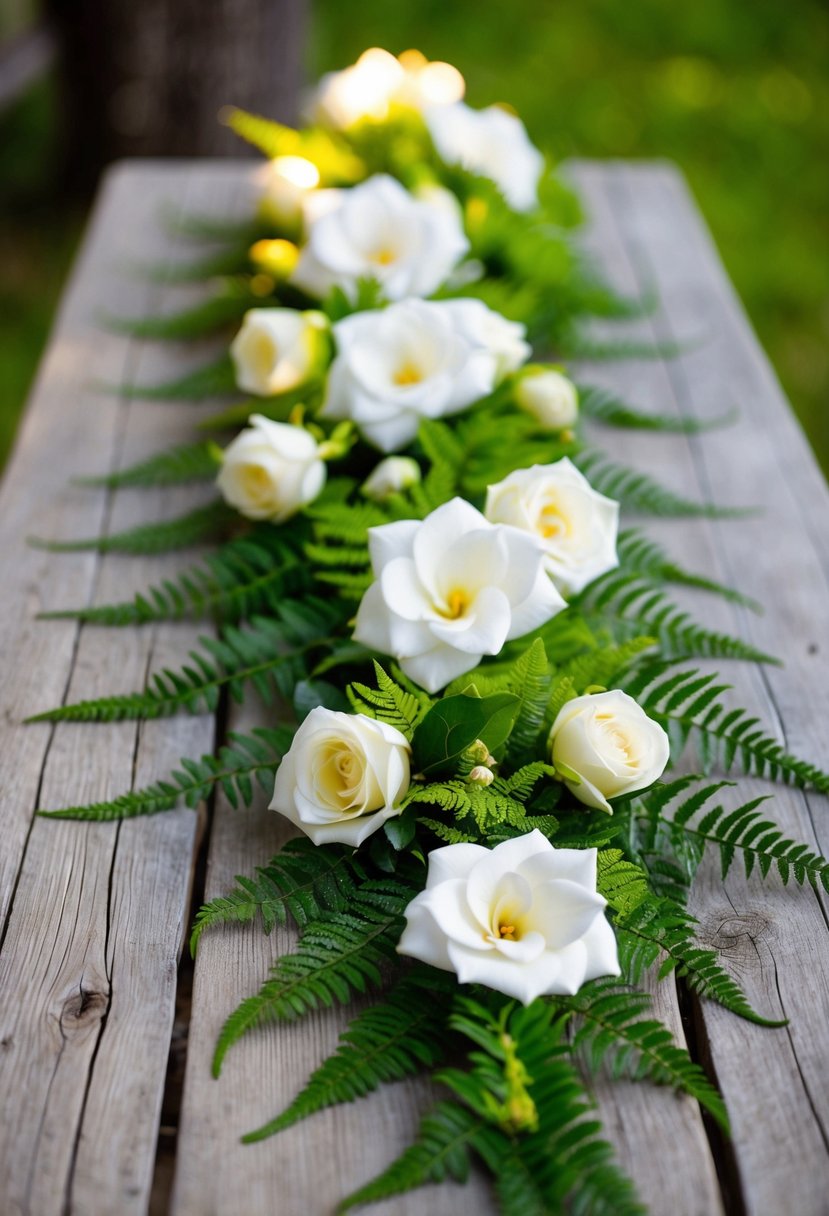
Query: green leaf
point(457, 721)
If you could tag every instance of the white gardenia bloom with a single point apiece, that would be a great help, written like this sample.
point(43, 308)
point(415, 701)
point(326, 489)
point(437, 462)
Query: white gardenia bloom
point(414, 360)
point(378, 230)
point(343, 776)
point(550, 396)
point(492, 143)
point(609, 741)
point(369, 88)
point(450, 589)
point(576, 526)
point(278, 349)
point(271, 470)
point(524, 918)
point(391, 476)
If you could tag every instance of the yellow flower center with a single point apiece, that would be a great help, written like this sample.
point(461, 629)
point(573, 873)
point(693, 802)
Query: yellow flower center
point(407, 373)
point(457, 603)
point(507, 932)
point(263, 353)
point(384, 256)
point(552, 521)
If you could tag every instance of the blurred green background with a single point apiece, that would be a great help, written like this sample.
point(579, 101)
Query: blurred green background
point(736, 93)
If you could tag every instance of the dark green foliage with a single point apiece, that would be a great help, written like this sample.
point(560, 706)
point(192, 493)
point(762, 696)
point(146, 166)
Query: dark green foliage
point(693, 823)
point(399, 1035)
point(614, 1031)
point(173, 466)
point(338, 955)
point(193, 528)
point(689, 703)
point(656, 927)
point(271, 653)
point(302, 882)
point(249, 575)
point(237, 764)
point(521, 1107)
point(642, 556)
point(225, 308)
point(605, 406)
point(627, 606)
point(640, 492)
point(216, 379)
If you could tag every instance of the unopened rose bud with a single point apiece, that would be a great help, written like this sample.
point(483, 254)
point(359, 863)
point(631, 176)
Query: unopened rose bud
point(549, 396)
point(391, 476)
point(481, 775)
point(478, 752)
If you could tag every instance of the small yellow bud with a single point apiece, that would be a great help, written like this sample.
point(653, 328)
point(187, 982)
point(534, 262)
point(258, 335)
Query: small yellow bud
point(277, 257)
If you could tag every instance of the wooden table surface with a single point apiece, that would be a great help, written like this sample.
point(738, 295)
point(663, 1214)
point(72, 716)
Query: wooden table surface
point(93, 1039)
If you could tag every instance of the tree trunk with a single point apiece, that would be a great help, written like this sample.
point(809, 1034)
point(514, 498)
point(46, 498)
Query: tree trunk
point(148, 77)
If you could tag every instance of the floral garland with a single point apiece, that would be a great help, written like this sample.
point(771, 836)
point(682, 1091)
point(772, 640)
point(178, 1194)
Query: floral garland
point(486, 678)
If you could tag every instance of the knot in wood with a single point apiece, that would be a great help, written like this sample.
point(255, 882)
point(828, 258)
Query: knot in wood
point(736, 934)
point(82, 1009)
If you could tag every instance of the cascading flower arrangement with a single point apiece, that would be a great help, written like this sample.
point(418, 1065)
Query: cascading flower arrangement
point(481, 681)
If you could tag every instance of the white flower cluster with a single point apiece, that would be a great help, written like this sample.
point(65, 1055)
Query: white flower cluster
point(524, 918)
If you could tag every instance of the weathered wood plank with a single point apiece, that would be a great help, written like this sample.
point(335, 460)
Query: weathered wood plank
point(775, 937)
point(103, 909)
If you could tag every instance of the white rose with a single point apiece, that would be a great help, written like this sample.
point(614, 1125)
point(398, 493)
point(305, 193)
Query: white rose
point(271, 470)
point(378, 230)
point(343, 777)
point(450, 589)
point(575, 525)
point(278, 349)
point(549, 396)
point(609, 741)
point(523, 918)
point(416, 359)
point(391, 476)
point(491, 143)
point(369, 88)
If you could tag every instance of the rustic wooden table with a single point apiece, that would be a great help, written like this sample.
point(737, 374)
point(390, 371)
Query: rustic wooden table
point(96, 1025)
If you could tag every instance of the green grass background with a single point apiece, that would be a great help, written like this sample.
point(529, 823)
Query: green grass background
point(735, 91)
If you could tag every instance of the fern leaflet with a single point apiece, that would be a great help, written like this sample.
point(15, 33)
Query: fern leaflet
point(202, 524)
point(241, 761)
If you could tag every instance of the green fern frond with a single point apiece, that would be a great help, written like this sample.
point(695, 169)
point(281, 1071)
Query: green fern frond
point(337, 956)
point(605, 406)
point(249, 575)
point(606, 664)
point(522, 1108)
point(388, 702)
point(174, 466)
point(218, 311)
point(613, 1030)
point(742, 830)
point(657, 929)
point(220, 263)
point(217, 379)
point(397, 1037)
point(302, 882)
point(447, 833)
point(622, 883)
point(642, 556)
point(241, 761)
point(626, 605)
point(687, 704)
point(444, 1140)
point(639, 492)
point(271, 653)
point(193, 528)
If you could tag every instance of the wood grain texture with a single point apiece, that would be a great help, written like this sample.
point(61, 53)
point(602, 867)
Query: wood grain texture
point(775, 938)
point(101, 909)
point(95, 915)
